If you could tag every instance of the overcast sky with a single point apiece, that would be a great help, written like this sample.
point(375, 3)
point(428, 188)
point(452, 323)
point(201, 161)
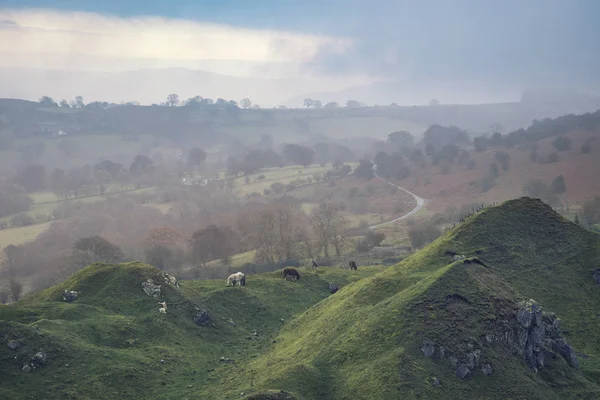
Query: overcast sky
point(508, 43)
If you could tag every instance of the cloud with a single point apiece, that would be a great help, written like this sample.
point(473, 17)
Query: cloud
point(90, 41)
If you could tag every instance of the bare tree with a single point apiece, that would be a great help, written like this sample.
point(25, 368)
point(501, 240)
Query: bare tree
point(4, 295)
point(16, 288)
point(330, 227)
point(277, 233)
point(172, 100)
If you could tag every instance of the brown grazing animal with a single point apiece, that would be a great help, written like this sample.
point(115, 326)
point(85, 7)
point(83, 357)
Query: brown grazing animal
point(291, 272)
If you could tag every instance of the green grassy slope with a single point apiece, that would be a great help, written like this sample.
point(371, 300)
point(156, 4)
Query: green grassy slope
point(366, 341)
point(113, 343)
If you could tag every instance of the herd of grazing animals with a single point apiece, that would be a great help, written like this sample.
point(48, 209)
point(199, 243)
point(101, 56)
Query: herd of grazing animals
point(239, 278)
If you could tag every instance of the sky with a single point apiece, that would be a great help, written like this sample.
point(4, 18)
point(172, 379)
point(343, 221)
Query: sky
point(495, 46)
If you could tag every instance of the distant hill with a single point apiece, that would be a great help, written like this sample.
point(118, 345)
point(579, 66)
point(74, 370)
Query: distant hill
point(460, 306)
point(148, 86)
point(530, 155)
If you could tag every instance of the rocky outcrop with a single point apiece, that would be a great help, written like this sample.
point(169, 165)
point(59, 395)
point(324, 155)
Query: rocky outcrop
point(171, 280)
point(36, 361)
point(150, 288)
point(539, 335)
point(486, 369)
point(202, 318)
point(13, 344)
point(596, 275)
point(532, 334)
point(70, 295)
point(333, 288)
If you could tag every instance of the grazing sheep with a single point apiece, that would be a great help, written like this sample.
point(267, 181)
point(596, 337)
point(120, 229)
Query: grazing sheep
point(291, 272)
point(237, 278)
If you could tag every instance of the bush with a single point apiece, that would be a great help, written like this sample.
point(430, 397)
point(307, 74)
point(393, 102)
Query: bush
point(277, 187)
point(562, 143)
point(558, 185)
point(423, 234)
point(22, 219)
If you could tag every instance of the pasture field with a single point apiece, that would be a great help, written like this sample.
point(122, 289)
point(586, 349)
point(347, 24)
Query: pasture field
point(20, 235)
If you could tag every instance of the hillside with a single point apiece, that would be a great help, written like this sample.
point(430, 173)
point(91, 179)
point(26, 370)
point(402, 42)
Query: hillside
point(461, 185)
point(371, 339)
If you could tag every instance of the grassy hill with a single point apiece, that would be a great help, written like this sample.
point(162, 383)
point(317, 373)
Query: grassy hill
point(380, 336)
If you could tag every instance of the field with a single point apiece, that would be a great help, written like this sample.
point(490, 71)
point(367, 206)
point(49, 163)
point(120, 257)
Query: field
point(275, 339)
point(17, 236)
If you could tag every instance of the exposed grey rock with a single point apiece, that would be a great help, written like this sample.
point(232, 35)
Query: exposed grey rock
point(150, 288)
point(13, 344)
point(70, 296)
point(202, 318)
point(39, 358)
point(486, 369)
point(462, 371)
point(435, 382)
point(442, 351)
point(227, 360)
point(473, 358)
point(26, 368)
point(538, 332)
point(428, 349)
point(566, 351)
point(453, 361)
point(458, 257)
point(596, 275)
point(333, 287)
point(170, 279)
point(231, 322)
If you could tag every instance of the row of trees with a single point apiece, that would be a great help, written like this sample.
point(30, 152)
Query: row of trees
point(310, 103)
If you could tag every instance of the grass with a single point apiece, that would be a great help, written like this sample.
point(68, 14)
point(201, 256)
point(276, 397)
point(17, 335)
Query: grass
point(363, 342)
point(112, 341)
point(283, 175)
point(17, 236)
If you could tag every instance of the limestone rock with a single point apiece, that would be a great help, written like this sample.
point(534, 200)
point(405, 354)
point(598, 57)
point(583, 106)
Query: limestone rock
point(26, 368)
point(333, 288)
point(435, 382)
point(39, 358)
point(462, 371)
point(150, 288)
point(486, 369)
point(13, 344)
point(202, 318)
point(428, 349)
point(70, 295)
point(596, 275)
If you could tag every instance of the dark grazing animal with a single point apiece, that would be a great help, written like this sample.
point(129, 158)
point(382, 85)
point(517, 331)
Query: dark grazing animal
point(291, 272)
point(314, 264)
point(352, 266)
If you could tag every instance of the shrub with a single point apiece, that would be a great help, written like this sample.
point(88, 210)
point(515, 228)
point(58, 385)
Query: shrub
point(562, 143)
point(22, 219)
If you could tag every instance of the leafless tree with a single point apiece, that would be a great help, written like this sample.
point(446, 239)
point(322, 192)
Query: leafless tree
point(16, 288)
point(330, 227)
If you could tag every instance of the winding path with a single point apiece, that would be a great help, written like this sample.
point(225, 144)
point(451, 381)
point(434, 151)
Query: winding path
point(420, 201)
